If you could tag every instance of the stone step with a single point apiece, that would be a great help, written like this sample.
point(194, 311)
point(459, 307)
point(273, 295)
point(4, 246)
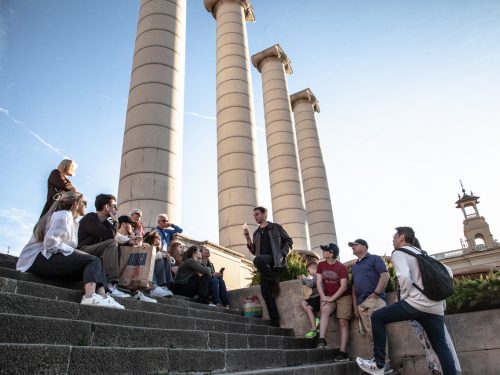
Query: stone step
point(57, 331)
point(166, 305)
point(11, 303)
point(66, 359)
point(78, 286)
point(336, 368)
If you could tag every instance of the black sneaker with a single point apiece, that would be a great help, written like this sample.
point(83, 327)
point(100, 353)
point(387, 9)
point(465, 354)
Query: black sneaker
point(341, 357)
point(321, 344)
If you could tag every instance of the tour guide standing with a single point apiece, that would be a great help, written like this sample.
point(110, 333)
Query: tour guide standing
point(413, 305)
point(271, 244)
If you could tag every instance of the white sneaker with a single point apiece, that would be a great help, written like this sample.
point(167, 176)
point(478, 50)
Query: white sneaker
point(212, 305)
point(115, 292)
point(369, 366)
point(141, 297)
point(160, 292)
point(95, 300)
point(112, 302)
point(170, 293)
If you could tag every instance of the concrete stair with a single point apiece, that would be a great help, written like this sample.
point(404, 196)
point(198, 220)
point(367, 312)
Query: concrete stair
point(46, 331)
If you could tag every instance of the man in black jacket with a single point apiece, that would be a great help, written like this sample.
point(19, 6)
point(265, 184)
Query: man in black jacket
point(271, 244)
point(96, 236)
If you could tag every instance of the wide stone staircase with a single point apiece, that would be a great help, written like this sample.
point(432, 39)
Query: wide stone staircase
point(44, 330)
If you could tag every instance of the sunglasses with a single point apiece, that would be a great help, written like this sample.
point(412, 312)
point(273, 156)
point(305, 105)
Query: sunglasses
point(84, 203)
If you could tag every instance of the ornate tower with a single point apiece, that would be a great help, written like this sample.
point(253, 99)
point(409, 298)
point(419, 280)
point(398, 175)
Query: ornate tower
point(476, 229)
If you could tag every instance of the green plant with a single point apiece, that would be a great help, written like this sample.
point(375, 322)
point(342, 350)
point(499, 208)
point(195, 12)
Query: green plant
point(296, 267)
point(475, 294)
point(392, 283)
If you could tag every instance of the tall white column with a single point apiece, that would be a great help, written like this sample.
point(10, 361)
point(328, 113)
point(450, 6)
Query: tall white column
point(236, 145)
point(150, 175)
point(286, 188)
point(312, 167)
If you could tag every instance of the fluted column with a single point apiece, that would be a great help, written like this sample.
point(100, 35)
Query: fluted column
point(286, 189)
point(150, 175)
point(236, 145)
point(313, 173)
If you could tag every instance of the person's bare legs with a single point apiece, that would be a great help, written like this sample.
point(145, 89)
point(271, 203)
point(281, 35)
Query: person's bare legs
point(309, 313)
point(344, 334)
point(326, 310)
point(89, 289)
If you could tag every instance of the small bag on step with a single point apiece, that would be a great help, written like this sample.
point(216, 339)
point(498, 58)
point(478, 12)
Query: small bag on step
point(252, 307)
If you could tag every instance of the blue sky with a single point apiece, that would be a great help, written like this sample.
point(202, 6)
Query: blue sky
point(409, 94)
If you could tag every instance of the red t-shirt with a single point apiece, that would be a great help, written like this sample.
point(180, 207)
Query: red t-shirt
point(331, 275)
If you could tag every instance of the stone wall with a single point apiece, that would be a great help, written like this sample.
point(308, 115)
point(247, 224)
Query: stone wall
point(475, 335)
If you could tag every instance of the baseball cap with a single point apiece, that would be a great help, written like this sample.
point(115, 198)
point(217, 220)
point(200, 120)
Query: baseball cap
point(331, 247)
point(359, 241)
point(124, 219)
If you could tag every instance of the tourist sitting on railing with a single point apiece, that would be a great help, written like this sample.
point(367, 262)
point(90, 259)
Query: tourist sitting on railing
point(176, 253)
point(51, 251)
point(161, 273)
point(218, 290)
point(58, 182)
point(192, 277)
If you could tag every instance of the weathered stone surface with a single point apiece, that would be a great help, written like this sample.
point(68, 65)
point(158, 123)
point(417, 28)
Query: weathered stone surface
point(17, 304)
point(38, 359)
point(196, 360)
point(238, 360)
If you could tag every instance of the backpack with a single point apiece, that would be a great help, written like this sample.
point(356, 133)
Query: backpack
point(437, 284)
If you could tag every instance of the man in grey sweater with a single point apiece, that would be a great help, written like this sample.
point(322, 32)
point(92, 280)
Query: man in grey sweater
point(413, 305)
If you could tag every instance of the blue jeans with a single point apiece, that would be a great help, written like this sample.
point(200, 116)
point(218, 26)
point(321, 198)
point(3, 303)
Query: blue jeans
point(219, 291)
point(432, 324)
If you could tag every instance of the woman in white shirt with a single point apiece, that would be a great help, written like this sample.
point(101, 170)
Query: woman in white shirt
point(51, 251)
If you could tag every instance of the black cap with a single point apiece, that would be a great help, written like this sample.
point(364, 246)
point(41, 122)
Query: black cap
point(359, 241)
point(332, 248)
point(124, 219)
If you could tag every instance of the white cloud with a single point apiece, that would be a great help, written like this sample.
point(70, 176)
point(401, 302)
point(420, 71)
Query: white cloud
point(6, 112)
point(200, 116)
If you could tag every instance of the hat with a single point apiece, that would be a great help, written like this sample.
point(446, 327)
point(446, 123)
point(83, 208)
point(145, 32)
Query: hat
point(124, 219)
point(136, 211)
point(332, 248)
point(359, 241)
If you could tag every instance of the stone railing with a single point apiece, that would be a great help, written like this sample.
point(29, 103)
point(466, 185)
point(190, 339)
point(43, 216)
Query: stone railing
point(474, 334)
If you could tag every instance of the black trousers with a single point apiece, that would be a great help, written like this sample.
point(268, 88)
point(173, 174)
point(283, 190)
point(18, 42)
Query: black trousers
point(197, 285)
point(76, 266)
point(268, 279)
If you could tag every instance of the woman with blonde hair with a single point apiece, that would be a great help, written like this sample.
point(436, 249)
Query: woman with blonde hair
point(58, 182)
point(51, 251)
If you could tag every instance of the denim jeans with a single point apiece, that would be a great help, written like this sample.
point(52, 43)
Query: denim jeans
point(433, 325)
point(219, 291)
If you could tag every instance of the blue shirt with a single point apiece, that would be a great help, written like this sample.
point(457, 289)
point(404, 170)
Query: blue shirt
point(365, 275)
point(166, 234)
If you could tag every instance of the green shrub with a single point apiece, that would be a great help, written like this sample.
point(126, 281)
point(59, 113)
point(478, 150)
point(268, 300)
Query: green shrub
point(475, 294)
point(296, 267)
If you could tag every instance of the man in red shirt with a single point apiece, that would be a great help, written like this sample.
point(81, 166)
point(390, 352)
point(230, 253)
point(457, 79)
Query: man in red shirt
point(333, 290)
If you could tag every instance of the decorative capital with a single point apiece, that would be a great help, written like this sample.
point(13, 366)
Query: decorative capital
point(272, 53)
point(305, 96)
point(212, 6)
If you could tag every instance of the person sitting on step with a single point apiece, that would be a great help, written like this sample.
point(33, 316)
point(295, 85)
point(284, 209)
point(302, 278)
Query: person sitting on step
point(51, 251)
point(218, 290)
point(192, 277)
point(96, 236)
point(176, 252)
point(311, 305)
point(161, 273)
point(125, 234)
point(137, 225)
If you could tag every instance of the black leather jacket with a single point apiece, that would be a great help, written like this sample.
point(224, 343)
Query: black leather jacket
point(281, 243)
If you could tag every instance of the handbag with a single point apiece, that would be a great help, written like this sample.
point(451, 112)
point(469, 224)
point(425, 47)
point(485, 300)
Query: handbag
point(252, 307)
point(137, 267)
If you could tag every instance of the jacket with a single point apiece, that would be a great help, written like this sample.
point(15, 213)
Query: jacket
point(281, 243)
point(92, 231)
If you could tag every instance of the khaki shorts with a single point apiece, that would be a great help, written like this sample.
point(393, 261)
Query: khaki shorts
point(343, 308)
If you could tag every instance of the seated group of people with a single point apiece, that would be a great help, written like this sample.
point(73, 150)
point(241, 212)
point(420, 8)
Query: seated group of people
point(90, 250)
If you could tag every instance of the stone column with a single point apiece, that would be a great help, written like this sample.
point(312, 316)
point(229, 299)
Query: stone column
point(286, 188)
point(314, 181)
point(236, 145)
point(150, 175)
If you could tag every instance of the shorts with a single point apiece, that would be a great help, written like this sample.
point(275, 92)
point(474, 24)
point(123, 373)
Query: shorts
point(343, 308)
point(314, 302)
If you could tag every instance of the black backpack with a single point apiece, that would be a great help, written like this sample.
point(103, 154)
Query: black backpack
point(437, 282)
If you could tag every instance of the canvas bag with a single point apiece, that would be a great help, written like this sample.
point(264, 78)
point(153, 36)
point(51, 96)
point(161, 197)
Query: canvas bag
point(252, 307)
point(137, 267)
